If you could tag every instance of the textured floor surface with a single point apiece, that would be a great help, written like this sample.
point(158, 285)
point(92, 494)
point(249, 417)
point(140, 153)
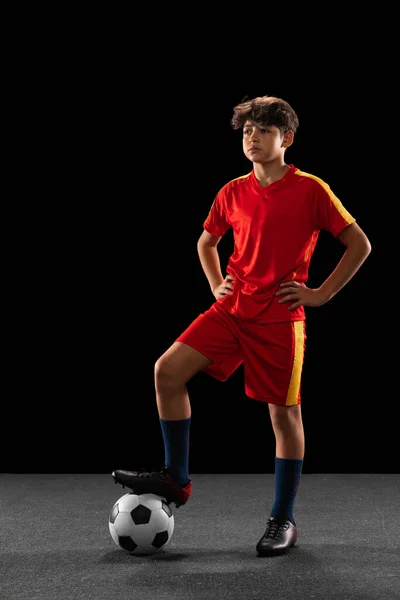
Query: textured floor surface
point(55, 542)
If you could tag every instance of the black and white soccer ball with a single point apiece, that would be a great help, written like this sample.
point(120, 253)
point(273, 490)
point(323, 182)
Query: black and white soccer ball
point(141, 524)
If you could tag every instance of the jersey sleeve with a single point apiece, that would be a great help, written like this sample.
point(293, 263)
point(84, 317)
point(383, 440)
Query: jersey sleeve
point(216, 222)
point(331, 214)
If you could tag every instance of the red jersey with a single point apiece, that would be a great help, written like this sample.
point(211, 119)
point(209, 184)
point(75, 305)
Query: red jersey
point(275, 231)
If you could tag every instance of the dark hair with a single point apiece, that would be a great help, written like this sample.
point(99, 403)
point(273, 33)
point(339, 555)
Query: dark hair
point(266, 110)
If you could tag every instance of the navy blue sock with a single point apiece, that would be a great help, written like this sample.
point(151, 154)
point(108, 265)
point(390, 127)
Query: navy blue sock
point(176, 448)
point(287, 479)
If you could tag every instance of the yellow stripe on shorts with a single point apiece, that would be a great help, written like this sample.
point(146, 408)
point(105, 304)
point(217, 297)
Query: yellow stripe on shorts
point(294, 386)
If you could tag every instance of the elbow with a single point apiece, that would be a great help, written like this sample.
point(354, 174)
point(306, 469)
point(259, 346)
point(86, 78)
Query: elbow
point(362, 248)
point(366, 246)
point(355, 239)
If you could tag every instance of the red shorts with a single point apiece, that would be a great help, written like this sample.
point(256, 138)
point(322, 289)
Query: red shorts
point(272, 354)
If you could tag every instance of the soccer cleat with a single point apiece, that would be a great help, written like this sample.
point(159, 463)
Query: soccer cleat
point(155, 482)
point(279, 535)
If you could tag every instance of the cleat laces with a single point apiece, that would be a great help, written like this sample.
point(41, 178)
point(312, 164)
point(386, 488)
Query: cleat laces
point(275, 528)
point(143, 474)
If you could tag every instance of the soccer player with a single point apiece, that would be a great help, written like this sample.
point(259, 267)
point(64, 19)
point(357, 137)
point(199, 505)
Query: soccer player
point(276, 213)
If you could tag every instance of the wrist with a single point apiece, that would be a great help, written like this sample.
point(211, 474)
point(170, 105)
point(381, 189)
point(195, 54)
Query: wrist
point(325, 294)
point(215, 284)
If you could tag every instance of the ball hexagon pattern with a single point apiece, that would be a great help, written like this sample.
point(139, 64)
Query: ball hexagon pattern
point(141, 524)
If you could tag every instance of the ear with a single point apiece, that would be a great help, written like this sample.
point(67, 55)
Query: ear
point(287, 139)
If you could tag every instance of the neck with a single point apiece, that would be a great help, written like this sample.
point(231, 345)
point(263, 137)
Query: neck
point(267, 173)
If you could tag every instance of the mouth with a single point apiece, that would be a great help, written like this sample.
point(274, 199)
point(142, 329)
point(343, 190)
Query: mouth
point(254, 149)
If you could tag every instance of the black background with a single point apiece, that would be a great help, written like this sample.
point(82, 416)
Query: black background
point(121, 162)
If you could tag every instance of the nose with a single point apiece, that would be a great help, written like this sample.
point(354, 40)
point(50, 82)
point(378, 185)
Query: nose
point(254, 135)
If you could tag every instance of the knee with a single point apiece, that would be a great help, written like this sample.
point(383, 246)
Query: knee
point(285, 418)
point(163, 374)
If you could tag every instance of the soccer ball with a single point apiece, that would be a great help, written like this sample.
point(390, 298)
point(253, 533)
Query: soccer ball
point(141, 524)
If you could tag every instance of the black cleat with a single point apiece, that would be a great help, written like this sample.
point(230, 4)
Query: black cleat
point(279, 535)
point(155, 482)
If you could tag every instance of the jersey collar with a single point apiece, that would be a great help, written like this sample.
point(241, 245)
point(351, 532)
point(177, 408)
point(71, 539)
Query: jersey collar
point(275, 184)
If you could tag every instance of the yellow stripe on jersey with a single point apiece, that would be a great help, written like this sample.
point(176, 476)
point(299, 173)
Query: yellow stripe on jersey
point(294, 386)
point(335, 200)
point(240, 177)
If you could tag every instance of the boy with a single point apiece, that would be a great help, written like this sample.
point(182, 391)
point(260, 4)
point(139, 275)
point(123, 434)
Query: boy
point(276, 213)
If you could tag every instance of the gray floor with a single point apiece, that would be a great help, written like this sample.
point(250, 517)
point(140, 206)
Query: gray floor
point(55, 543)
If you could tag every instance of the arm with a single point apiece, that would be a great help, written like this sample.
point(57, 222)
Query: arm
point(209, 258)
point(358, 248)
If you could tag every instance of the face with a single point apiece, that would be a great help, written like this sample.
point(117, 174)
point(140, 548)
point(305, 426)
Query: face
point(264, 143)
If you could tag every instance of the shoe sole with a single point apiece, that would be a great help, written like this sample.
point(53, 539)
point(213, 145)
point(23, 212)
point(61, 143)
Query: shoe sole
point(274, 552)
point(125, 485)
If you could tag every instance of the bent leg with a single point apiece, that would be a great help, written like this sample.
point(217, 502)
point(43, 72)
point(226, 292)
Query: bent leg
point(172, 370)
point(171, 373)
point(208, 343)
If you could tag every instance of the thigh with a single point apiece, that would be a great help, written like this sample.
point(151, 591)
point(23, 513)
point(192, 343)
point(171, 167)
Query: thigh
point(273, 361)
point(214, 335)
point(180, 362)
